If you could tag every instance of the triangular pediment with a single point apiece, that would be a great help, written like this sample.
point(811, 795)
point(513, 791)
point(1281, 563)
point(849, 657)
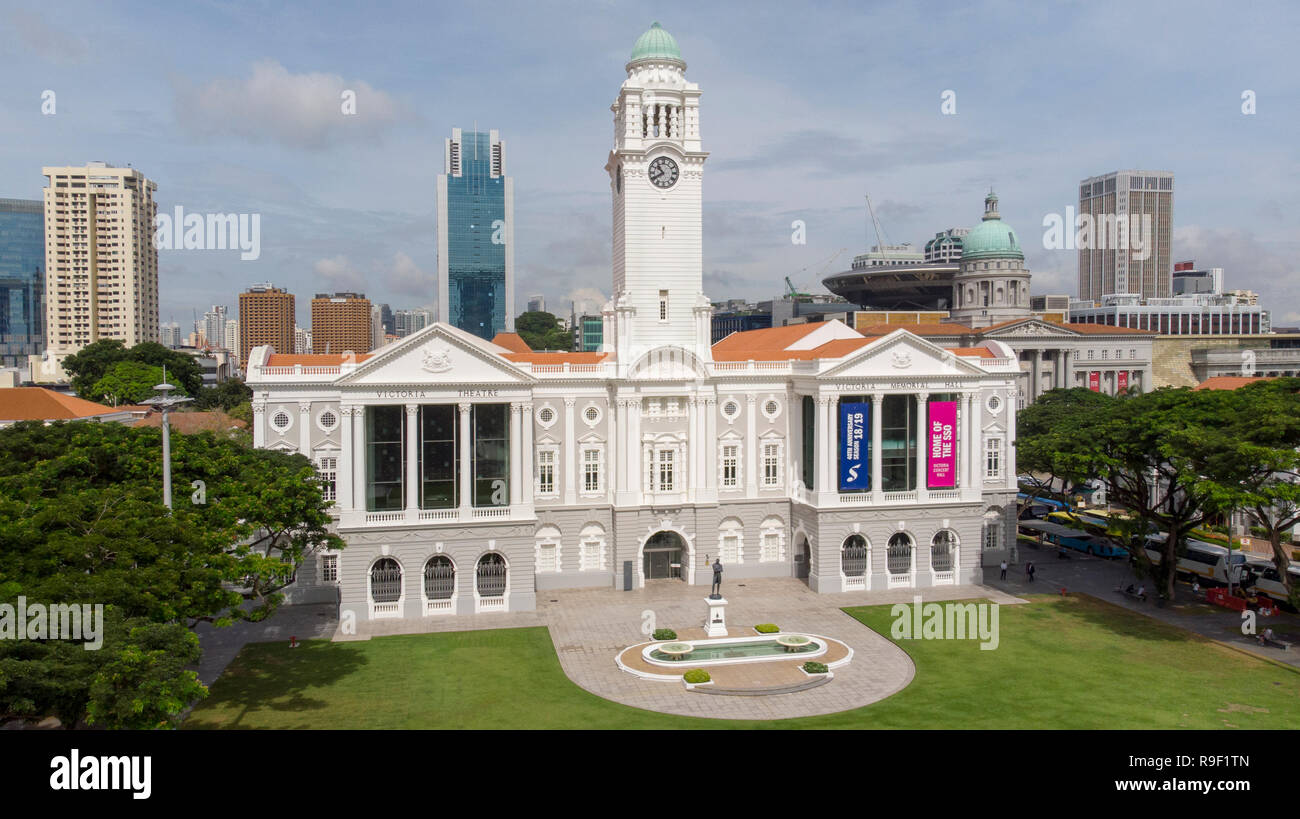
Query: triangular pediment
point(902, 354)
point(437, 355)
point(1029, 327)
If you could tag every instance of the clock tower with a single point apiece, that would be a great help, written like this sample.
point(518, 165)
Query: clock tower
point(656, 176)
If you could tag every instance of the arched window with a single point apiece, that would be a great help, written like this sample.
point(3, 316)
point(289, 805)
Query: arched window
point(385, 581)
point(992, 530)
point(853, 556)
point(439, 583)
point(490, 575)
point(900, 554)
point(943, 550)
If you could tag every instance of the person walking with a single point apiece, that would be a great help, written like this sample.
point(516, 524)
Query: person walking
point(1029, 570)
point(1003, 576)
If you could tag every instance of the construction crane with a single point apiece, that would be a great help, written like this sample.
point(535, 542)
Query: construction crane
point(793, 292)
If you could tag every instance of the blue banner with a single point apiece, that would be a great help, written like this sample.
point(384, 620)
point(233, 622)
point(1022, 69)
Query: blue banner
point(855, 446)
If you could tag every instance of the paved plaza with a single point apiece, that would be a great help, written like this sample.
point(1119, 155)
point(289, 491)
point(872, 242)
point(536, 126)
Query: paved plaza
point(590, 626)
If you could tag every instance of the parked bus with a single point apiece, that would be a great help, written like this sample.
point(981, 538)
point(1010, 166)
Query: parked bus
point(1267, 582)
point(1043, 501)
point(1213, 564)
point(1067, 538)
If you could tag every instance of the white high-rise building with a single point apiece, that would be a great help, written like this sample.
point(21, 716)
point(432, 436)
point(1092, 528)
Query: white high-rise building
point(101, 278)
point(232, 337)
point(1130, 215)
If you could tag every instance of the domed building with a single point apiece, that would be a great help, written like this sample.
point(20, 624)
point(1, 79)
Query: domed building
point(992, 283)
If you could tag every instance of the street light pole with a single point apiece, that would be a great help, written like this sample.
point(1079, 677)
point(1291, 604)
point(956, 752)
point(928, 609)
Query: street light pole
point(165, 402)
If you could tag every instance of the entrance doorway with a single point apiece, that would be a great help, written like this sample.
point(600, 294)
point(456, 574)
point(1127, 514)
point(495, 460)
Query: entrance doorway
point(802, 559)
point(662, 557)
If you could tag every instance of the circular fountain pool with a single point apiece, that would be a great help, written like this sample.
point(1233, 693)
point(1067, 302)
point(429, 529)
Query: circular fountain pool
point(726, 650)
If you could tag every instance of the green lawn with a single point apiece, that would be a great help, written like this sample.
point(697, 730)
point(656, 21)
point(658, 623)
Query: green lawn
point(1062, 662)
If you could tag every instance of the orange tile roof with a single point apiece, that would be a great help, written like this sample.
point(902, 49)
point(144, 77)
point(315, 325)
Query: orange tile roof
point(920, 329)
point(512, 342)
point(1228, 382)
point(40, 404)
point(762, 345)
point(191, 422)
point(311, 359)
point(982, 352)
point(555, 358)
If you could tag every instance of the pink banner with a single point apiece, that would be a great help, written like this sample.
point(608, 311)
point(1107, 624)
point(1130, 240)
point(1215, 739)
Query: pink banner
point(1094, 381)
point(943, 444)
point(1121, 383)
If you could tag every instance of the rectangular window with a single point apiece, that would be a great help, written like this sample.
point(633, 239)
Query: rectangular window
point(771, 464)
point(591, 470)
point(329, 568)
point(385, 459)
point(770, 547)
point(898, 434)
point(663, 305)
point(730, 464)
point(665, 471)
point(590, 556)
point(729, 549)
point(546, 472)
point(439, 458)
point(327, 473)
point(491, 426)
point(809, 434)
point(546, 558)
point(993, 458)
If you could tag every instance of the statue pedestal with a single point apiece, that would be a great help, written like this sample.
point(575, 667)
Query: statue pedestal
point(716, 624)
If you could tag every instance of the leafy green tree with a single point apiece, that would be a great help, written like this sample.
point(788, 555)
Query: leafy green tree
point(86, 366)
point(1258, 471)
point(128, 382)
point(224, 396)
point(183, 369)
point(541, 331)
point(82, 521)
point(1051, 439)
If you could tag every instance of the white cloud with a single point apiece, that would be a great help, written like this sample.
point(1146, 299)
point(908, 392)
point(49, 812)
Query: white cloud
point(338, 274)
point(40, 37)
point(304, 111)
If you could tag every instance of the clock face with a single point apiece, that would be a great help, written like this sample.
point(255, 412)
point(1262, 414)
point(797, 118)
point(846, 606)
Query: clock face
point(663, 172)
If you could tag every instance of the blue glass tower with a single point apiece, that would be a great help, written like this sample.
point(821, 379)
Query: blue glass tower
point(22, 280)
point(476, 276)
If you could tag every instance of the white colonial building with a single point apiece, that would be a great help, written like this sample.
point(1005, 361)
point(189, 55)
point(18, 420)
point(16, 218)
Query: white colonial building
point(468, 475)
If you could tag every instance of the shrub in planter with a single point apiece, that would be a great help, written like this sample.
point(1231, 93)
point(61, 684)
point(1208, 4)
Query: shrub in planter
point(815, 668)
point(665, 634)
point(696, 676)
point(766, 628)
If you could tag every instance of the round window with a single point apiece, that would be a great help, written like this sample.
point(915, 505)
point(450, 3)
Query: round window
point(731, 409)
point(771, 408)
point(994, 404)
point(328, 420)
point(280, 420)
point(592, 414)
point(546, 416)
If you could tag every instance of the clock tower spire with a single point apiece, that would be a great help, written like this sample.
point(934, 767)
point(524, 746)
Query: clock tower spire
point(656, 173)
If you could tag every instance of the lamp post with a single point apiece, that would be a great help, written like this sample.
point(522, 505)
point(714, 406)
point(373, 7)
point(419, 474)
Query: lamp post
point(165, 402)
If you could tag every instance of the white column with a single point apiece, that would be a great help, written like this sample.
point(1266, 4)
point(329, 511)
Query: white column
point(259, 424)
point(621, 433)
point(751, 446)
point(528, 469)
point(975, 432)
point(304, 428)
point(711, 450)
point(877, 443)
point(570, 455)
point(923, 447)
point(1037, 377)
point(343, 476)
point(359, 461)
point(466, 454)
point(1009, 446)
point(412, 460)
point(695, 445)
point(516, 457)
point(963, 444)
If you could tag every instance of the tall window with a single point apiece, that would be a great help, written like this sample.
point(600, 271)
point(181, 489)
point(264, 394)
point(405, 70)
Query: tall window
point(329, 568)
point(730, 464)
point(771, 464)
point(591, 549)
point(665, 471)
point(853, 556)
point(900, 554)
point(327, 474)
point(809, 434)
point(993, 458)
point(439, 463)
point(898, 443)
point(663, 305)
point(491, 424)
point(729, 543)
point(546, 471)
point(769, 546)
point(591, 470)
point(385, 458)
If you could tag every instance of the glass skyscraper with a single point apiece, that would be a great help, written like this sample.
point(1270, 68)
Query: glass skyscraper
point(22, 280)
point(476, 281)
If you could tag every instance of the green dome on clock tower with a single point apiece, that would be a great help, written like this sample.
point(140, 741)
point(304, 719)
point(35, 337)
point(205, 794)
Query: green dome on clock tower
point(656, 44)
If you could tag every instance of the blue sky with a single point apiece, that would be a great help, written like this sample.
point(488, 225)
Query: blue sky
point(233, 107)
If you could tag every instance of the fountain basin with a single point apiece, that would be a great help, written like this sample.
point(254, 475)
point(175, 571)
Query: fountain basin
point(729, 650)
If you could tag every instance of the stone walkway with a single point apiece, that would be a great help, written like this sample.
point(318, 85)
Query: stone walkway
point(590, 626)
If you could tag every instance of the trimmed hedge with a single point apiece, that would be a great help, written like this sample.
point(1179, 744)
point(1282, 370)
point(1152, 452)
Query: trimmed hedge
point(815, 667)
point(766, 628)
point(665, 634)
point(697, 675)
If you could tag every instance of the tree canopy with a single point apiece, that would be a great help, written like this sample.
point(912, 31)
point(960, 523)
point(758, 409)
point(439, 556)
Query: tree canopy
point(82, 521)
point(541, 331)
point(91, 363)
